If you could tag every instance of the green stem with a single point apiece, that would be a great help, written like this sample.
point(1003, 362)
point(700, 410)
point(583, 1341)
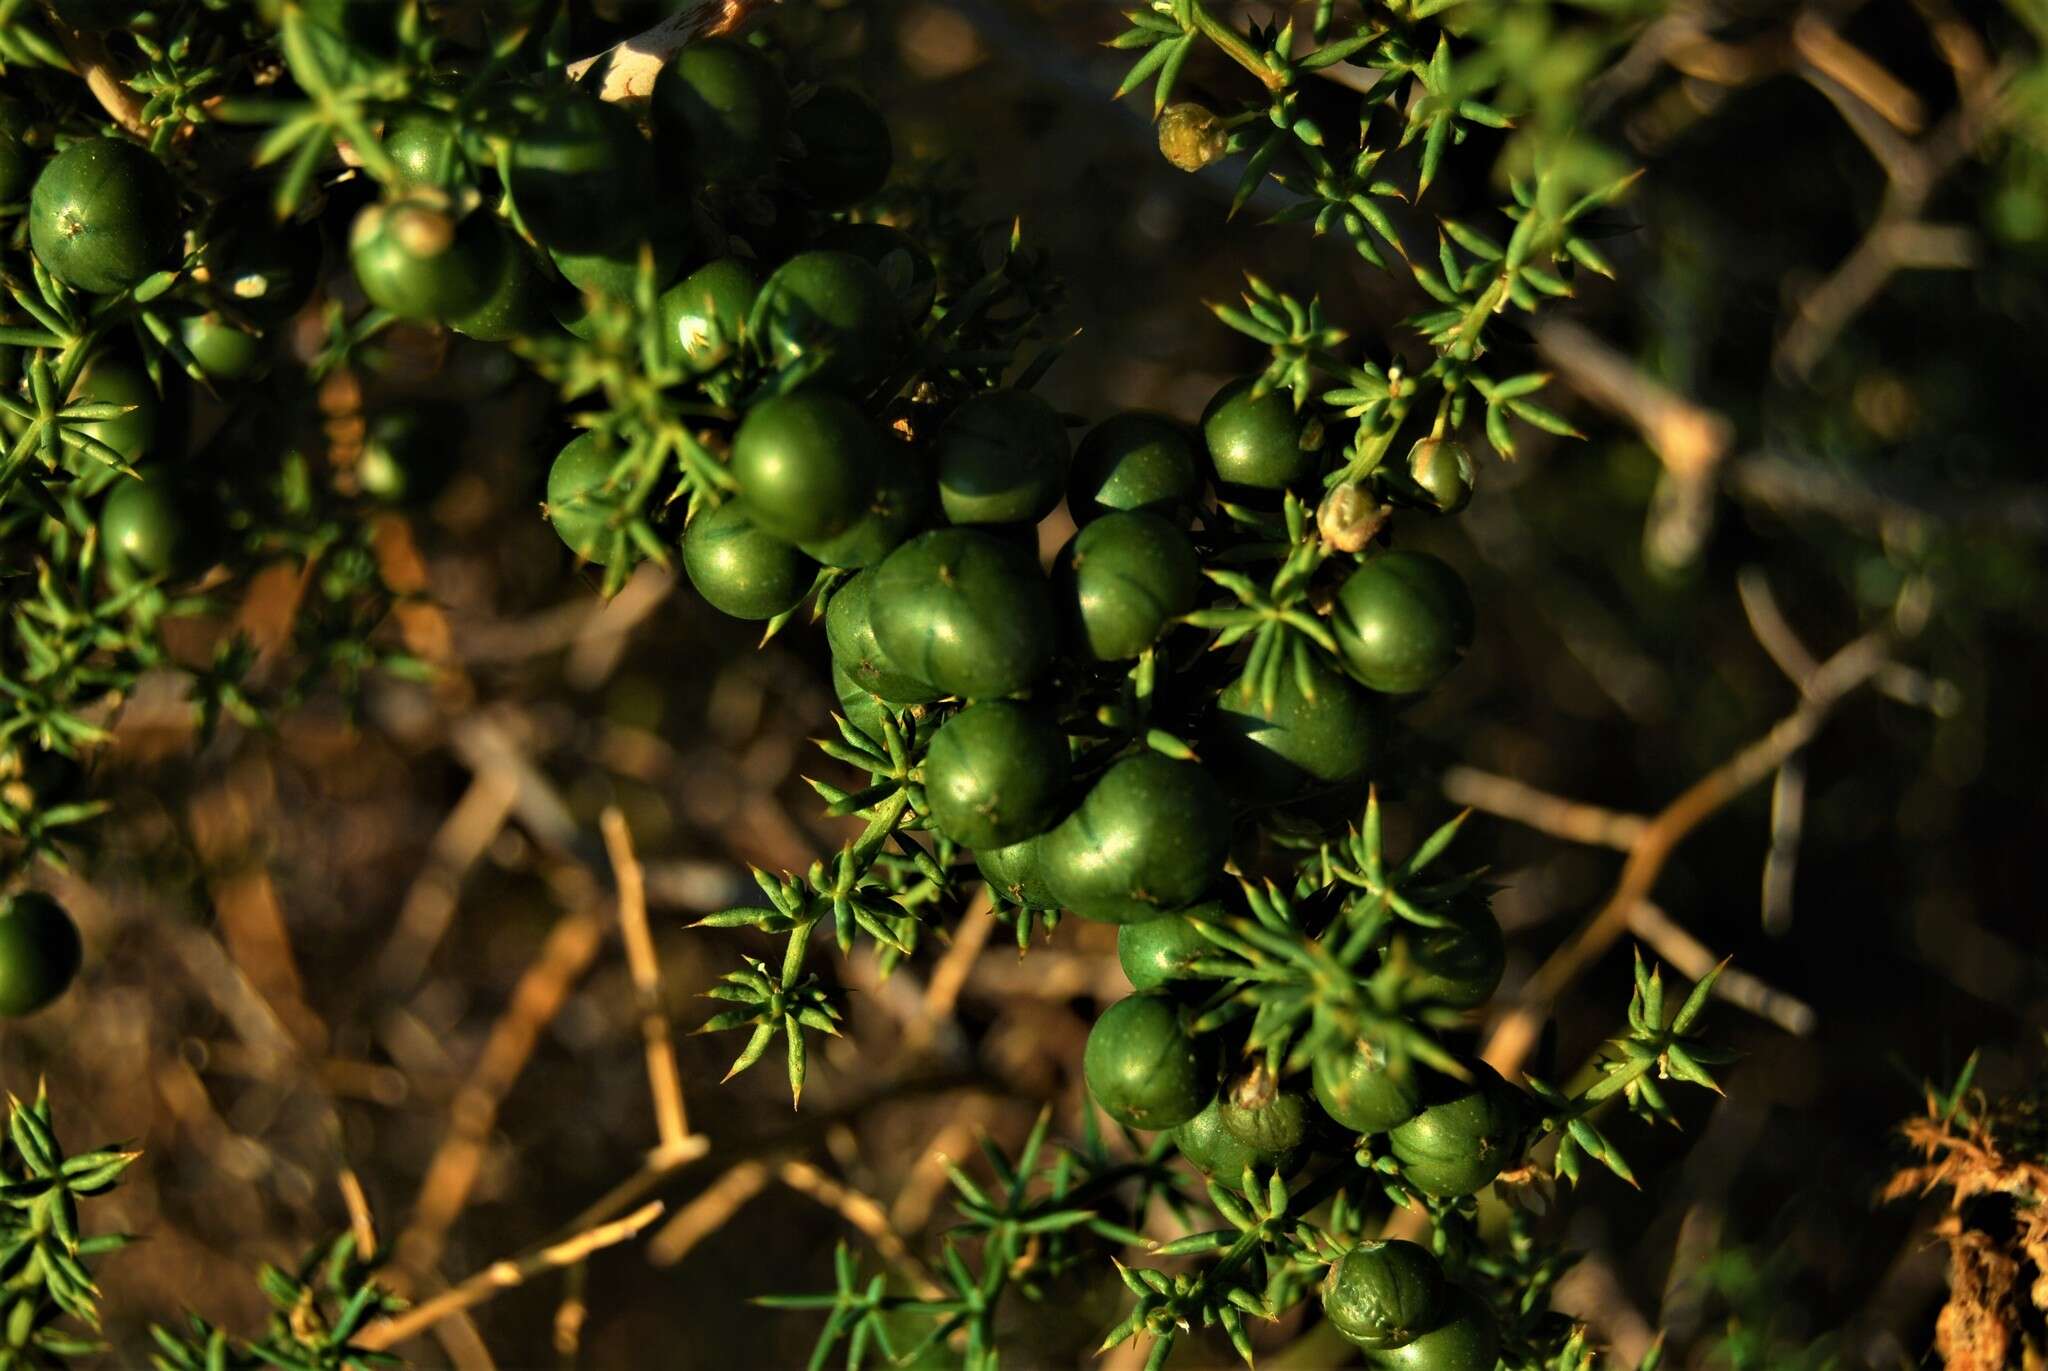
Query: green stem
point(793, 954)
point(1372, 450)
point(1233, 45)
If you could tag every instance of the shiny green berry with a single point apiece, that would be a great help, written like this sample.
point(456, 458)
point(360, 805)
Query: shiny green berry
point(1143, 1066)
point(1261, 442)
point(741, 571)
point(103, 215)
point(996, 773)
point(1383, 1295)
point(1002, 459)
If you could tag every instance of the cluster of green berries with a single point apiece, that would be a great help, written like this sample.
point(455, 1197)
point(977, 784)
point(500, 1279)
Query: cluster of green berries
point(105, 218)
point(1077, 735)
point(917, 527)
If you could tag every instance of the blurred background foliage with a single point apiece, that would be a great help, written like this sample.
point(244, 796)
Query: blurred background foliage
point(1809, 398)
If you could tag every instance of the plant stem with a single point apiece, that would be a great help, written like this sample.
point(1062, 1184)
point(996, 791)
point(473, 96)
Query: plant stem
point(90, 60)
point(503, 1275)
point(1233, 45)
point(1515, 1036)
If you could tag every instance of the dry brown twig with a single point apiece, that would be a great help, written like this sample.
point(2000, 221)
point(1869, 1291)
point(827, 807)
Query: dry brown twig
point(1822, 50)
point(1594, 1291)
point(1514, 1036)
point(942, 992)
point(463, 1344)
point(485, 742)
point(504, 1275)
point(1879, 108)
point(451, 1175)
point(1907, 685)
point(225, 822)
point(660, 1167)
point(1788, 787)
point(1689, 439)
point(664, 1081)
point(1048, 974)
point(423, 626)
point(1790, 484)
point(602, 640)
point(430, 901)
point(707, 1212)
point(865, 1214)
point(1572, 820)
point(927, 1181)
point(224, 984)
point(571, 1313)
point(1898, 239)
point(90, 60)
point(360, 1224)
point(1781, 858)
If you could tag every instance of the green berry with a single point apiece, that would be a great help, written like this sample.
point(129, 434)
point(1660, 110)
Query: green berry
point(1002, 459)
point(721, 107)
point(580, 505)
point(1157, 951)
point(1356, 1087)
point(1136, 461)
point(1402, 621)
point(740, 570)
point(1144, 1068)
point(1463, 1137)
point(806, 463)
point(965, 611)
point(1261, 442)
point(995, 774)
point(1151, 835)
point(103, 215)
point(1121, 581)
point(1383, 1295)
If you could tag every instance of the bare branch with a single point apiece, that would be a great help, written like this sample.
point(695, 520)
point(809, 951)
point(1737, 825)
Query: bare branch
point(1514, 1037)
point(1685, 953)
point(90, 60)
point(927, 1181)
point(1781, 860)
point(970, 936)
point(1828, 54)
point(1897, 239)
point(360, 1223)
point(1897, 681)
point(1542, 811)
point(430, 901)
point(504, 1275)
point(1794, 484)
point(1689, 438)
point(865, 1214)
point(1772, 632)
point(1592, 1290)
point(451, 1174)
point(664, 1082)
point(660, 1167)
point(708, 1212)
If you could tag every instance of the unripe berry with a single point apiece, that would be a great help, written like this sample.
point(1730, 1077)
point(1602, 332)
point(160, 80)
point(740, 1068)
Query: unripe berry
point(1191, 136)
point(1442, 468)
